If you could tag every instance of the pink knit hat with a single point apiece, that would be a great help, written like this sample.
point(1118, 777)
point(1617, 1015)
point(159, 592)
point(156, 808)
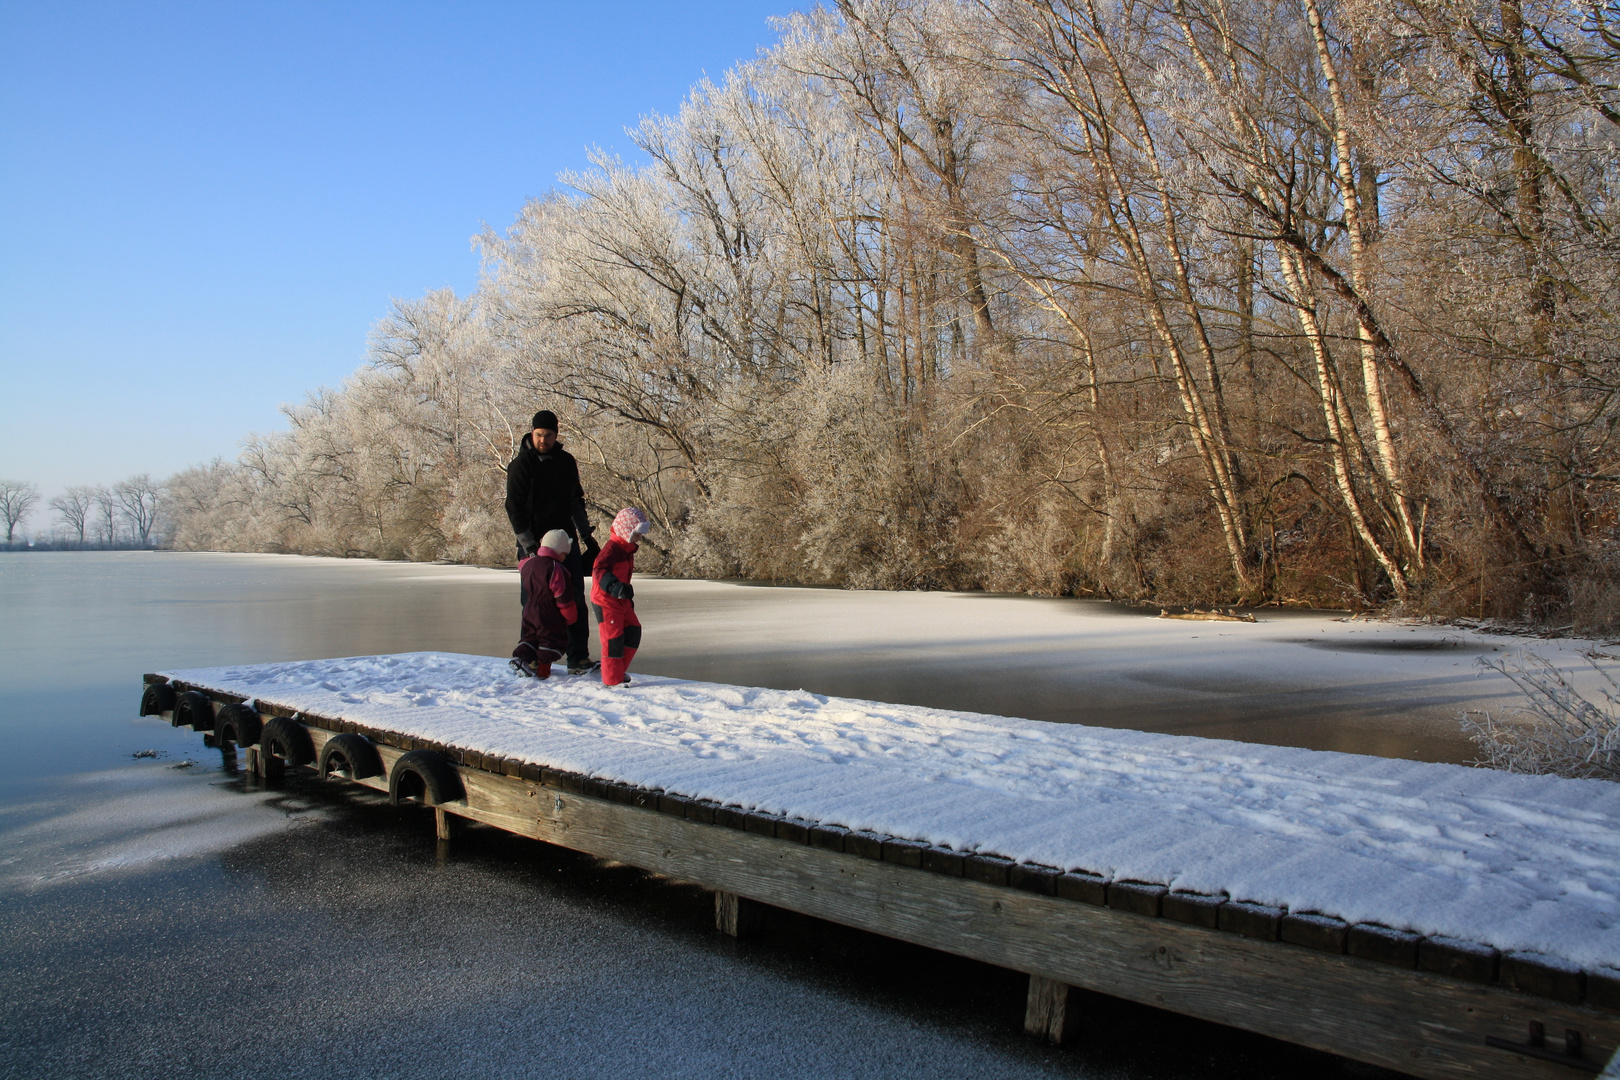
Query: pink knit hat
point(630, 525)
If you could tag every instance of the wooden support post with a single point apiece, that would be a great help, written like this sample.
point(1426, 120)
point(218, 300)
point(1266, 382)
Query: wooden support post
point(1049, 1013)
point(442, 820)
point(735, 915)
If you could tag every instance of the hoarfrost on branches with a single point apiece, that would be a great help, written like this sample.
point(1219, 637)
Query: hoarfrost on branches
point(1557, 730)
point(1309, 303)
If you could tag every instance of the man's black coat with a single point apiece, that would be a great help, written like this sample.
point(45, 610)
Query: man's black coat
point(543, 493)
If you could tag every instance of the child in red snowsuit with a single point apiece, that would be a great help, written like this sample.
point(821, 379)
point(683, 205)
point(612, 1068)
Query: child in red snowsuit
point(550, 609)
point(614, 599)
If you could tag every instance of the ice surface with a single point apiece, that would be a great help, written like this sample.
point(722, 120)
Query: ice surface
point(1517, 862)
point(127, 819)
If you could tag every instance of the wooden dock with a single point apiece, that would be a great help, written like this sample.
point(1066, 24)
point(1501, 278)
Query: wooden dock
point(1428, 1007)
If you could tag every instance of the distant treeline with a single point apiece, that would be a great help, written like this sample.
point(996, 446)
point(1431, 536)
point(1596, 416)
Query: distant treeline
point(51, 543)
point(1229, 301)
point(123, 517)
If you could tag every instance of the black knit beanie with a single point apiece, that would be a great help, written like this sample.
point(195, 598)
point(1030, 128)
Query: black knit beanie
point(545, 418)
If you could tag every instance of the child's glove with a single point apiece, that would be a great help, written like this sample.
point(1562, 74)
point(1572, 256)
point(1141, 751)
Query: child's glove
point(612, 586)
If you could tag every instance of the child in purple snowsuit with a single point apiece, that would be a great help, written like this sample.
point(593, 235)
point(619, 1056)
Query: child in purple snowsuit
point(550, 609)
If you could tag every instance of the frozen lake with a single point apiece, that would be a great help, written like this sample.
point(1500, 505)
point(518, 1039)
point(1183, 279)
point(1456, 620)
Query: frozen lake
point(156, 919)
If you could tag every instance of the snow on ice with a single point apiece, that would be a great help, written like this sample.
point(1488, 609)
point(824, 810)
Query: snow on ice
point(1518, 862)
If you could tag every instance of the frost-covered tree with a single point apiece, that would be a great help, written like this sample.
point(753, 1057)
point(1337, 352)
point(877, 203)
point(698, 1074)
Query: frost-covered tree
point(1214, 301)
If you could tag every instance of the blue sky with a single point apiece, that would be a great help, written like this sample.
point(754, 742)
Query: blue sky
point(204, 207)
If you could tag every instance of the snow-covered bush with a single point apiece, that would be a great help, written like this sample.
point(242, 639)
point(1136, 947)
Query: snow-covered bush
point(1557, 730)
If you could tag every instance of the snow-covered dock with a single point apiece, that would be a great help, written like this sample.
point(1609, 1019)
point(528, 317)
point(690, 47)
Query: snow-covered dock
point(1430, 918)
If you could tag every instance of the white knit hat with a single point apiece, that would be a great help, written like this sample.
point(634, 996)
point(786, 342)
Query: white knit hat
point(557, 541)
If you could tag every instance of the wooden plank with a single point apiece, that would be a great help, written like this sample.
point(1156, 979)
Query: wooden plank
point(1414, 1021)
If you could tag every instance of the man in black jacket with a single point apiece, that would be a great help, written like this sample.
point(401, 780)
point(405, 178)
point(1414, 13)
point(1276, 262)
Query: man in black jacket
point(543, 493)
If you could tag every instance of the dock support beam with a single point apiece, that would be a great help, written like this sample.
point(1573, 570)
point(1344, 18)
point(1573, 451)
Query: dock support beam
point(735, 915)
point(259, 765)
point(1049, 1014)
point(444, 823)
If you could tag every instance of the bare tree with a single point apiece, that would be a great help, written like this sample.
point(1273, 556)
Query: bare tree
point(105, 515)
point(17, 499)
point(74, 506)
point(138, 497)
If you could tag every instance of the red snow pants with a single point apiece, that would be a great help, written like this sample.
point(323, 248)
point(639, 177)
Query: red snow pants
point(621, 637)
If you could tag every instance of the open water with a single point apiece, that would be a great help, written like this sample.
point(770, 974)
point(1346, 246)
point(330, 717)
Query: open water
point(159, 916)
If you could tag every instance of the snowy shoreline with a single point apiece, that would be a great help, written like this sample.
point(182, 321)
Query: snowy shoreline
point(1520, 863)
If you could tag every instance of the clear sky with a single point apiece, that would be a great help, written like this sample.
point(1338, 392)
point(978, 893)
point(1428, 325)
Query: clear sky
point(204, 207)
